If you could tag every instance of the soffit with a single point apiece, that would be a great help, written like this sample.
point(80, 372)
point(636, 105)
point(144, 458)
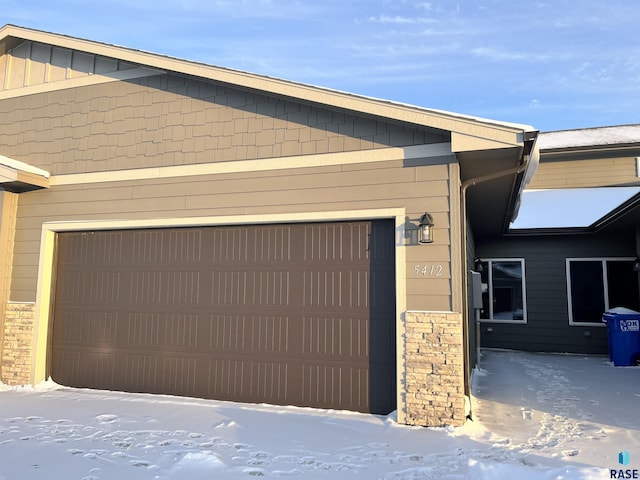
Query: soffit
point(18, 177)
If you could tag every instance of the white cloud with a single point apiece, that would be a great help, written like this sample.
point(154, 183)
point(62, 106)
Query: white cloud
point(500, 55)
point(400, 19)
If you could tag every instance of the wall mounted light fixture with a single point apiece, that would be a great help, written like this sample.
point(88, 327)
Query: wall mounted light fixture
point(425, 229)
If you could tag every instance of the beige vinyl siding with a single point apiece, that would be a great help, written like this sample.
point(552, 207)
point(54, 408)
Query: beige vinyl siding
point(169, 120)
point(320, 189)
point(597, 172)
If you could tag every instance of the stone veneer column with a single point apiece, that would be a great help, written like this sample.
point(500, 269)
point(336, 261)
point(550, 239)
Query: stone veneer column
point(17, 347)
point(8, 211)
point(434, 370)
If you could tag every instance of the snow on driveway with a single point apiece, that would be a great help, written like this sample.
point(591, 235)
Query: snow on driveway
point(535, 416)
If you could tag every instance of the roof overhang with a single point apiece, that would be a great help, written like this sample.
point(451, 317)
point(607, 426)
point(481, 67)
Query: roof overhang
point(18, 177)
point(494, 180)
point(482, 146)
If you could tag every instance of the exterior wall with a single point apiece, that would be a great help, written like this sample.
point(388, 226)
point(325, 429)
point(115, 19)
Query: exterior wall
point(547, 328)
point(169, 120)
point(584, 172)
point(17, 346)
point(294, 191)
point(434, 375)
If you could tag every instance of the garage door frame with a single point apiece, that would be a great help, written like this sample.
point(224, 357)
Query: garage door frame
point(46, 270)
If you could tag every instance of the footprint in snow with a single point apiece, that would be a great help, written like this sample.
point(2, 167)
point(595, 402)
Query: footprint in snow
point(107, 418)
point(228, 423)
point(254, 472)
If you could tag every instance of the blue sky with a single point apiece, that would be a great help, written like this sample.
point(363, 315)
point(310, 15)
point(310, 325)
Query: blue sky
point(553, 64)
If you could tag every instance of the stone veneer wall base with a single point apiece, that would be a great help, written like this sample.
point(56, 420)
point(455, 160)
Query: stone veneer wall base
point(17, 347)
point(434, 369)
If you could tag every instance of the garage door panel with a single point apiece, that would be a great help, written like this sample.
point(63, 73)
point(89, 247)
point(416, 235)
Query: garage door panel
point(164, 247)
point(336, 243)
point(87, 248)
point(336, 288)
point(248, 381)
point(250, 288)
point(94, 369)
point(249, 245)
point(151, 373)
point(339, 339)
point(80, 328)
point(335, 385)
point(162, 330)
point(286, 314)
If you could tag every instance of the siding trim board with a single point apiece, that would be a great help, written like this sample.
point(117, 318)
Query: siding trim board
point(431, 151)
point(97, 79)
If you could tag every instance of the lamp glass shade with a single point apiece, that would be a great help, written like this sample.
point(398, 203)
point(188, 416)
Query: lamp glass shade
point(425, 229)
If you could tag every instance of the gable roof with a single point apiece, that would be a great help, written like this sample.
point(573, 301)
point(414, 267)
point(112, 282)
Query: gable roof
point(591, 138)
point(503, 151)
point(468, 132)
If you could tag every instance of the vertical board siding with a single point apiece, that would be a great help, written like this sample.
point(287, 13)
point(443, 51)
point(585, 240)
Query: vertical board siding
point(283, 316)
point(32, 63)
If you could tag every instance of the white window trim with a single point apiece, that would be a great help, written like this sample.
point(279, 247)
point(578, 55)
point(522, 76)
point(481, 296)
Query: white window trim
point(490, 291)
point(605, 283)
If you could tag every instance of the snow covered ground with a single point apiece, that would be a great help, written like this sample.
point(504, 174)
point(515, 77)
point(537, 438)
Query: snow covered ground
point(535, 416)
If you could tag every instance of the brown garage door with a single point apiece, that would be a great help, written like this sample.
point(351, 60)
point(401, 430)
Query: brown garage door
point(294, 314)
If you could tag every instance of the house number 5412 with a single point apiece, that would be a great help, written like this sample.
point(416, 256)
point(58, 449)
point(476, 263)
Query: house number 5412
point(435, 270)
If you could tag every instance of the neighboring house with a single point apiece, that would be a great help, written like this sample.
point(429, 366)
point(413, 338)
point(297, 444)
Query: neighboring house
point(174, 227)
point(573, 251)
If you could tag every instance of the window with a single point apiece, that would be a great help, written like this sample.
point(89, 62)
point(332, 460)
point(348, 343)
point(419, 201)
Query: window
point(595, 285)
point(503, 291)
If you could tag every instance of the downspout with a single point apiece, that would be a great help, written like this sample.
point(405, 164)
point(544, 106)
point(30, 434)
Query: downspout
point(526, 166)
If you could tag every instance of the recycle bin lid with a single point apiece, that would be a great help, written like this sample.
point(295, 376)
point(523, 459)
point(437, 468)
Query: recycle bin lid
point(622, 310)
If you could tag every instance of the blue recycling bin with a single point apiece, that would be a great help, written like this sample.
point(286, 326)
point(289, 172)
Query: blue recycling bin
point(623, 330)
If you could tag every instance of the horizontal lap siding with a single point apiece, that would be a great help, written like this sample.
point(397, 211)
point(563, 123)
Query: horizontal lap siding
point(600, 172)
point(370, 186)
point(547, 327)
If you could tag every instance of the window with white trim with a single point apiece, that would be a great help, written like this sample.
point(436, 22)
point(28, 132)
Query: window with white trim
point(503, 290)
point(595, 285)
